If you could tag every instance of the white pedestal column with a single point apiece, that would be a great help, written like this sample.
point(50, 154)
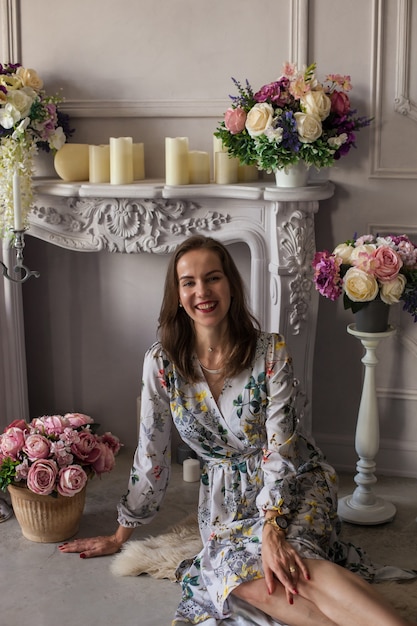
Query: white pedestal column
point(363, 506)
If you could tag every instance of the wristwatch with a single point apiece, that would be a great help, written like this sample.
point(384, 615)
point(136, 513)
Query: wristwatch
point(279, 522)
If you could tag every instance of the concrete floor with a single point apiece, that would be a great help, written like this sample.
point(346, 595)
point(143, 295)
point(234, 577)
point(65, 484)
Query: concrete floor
point(42, 587)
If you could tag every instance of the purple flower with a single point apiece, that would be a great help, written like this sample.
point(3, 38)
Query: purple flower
point(327, 277)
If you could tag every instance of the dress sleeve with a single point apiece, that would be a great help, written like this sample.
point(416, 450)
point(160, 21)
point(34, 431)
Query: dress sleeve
point(281, 461)
point(151, 467)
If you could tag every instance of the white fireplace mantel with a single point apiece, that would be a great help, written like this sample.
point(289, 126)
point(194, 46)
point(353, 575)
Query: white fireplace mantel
point(150, 217)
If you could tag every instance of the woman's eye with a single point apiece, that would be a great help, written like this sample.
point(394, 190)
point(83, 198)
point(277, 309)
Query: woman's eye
point(189, 283)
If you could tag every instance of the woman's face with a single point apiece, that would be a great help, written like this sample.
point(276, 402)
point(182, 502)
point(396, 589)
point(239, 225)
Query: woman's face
point(203, 288)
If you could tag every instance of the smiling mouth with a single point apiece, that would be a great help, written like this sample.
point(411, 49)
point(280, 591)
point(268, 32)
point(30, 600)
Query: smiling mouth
point(206, 307)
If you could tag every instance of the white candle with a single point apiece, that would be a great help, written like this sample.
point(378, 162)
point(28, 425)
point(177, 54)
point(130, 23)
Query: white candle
point(121, 160)
point(217, 147)
point(199, 167)
point(71, 162)
point(176, 161)
point(226, 168)
point(17, 202)
point(138, 161)
point(99, 164)
point(191, 470)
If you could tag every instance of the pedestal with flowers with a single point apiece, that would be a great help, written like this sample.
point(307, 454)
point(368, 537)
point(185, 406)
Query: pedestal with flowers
point(29, 120)
point(46, 465)
point(294, 122)
point(372, 273)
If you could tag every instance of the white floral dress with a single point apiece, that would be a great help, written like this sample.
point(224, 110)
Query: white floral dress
point(255, 458)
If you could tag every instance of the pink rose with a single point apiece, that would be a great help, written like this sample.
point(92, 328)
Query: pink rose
point(105, 461)
point(87, 447)
point(71, 480)
point(78, 419)
point(112, 441)
point(42, 475)
point(50, 424)
point(234, 120)
point(37, 447)
point(12, 442)
point(340, 103)
point(389, 265)
point(17, 424)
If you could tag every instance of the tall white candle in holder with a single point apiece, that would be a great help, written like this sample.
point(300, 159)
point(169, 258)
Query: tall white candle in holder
point(99, 164)
point(226, 169)
point(138, 161)
point(176, 161)
point(121, 160)
point(191, 470)
point(199, 167)
point(17, 202)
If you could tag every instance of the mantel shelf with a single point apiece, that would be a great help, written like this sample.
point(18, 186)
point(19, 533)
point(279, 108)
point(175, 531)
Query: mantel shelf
point(157, 189)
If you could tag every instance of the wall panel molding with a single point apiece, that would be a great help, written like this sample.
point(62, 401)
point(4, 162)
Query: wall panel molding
point(380, 79)
point(9, 31)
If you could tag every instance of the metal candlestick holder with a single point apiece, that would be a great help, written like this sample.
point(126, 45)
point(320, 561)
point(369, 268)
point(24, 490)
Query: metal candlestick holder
point(23, 273)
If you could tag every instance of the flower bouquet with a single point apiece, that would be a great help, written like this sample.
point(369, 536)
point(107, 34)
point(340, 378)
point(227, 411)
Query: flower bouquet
point(295, 118)
point(29, 120)
point(369, 268)
point(55, 454)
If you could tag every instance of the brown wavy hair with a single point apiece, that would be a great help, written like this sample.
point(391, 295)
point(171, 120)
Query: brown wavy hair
point(176, 330)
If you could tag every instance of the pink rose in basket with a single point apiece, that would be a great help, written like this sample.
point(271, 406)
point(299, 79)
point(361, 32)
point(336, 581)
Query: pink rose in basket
point(37, 447)
point(340, 103)
point(389, 265)
point(42, 476)
point(12, 441)
point(17, 424)
point(78, 419)
point(105, 461)
point(71, 480)
point(87, 447)
point(50, 424)
point(112, 441)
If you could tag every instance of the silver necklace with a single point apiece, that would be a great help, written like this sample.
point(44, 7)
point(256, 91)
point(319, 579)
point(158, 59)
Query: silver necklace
point(206, 369)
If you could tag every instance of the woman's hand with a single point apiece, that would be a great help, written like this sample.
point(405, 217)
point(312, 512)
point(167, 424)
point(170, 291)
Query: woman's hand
point(98, 546)
point(281, 560)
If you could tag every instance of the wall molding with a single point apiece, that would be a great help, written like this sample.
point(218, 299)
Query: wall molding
point(403, 104)
point(9, 31)
point(379, 79)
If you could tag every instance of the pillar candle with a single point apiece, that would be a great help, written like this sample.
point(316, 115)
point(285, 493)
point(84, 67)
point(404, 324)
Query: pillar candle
point(217, 147)
point(99, 164)
point(17, 202)
point(247, 173)
point(226, 168)
point(176, 161)
point(199, 167)
point(71, 162)
point(138, 161)
point(191, 470)
point(121, 160)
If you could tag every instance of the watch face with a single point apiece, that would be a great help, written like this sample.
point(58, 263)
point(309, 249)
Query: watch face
point(281, 522)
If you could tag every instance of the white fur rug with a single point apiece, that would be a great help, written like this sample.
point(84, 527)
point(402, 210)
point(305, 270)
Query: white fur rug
point(159, 557)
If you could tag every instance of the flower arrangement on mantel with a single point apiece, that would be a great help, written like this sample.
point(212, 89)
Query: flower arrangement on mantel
point(367, 268)
point(29, 120)
point(55, 454)
point(295, 118)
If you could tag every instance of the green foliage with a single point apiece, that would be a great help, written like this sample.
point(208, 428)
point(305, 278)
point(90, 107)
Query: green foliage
point(7, 472)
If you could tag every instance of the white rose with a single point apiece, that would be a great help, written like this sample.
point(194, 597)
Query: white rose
point(259, 119)
point(308, 127)
point(360, 286)
point(316, 103)
point(30, 78)
point(368, 248)
point(22, 100)
point(391, 292)
point(343, 251)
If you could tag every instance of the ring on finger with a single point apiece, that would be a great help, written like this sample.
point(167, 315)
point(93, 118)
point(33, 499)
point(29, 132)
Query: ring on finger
point(292, 569)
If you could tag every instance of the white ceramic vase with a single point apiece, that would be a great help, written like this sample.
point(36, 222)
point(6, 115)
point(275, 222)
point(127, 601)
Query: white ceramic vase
point(292, 175)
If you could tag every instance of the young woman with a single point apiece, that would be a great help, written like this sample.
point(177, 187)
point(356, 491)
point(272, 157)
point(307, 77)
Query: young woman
point(268, 498)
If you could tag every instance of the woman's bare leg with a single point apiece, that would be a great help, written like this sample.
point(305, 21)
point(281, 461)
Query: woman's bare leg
point(332, 596)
